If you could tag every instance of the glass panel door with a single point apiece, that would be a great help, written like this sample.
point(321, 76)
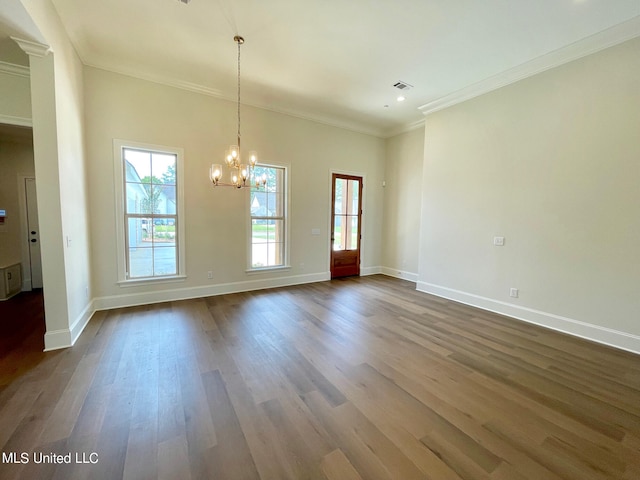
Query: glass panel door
point(345, 228)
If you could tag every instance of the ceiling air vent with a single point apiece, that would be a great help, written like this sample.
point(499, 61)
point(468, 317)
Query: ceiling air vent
point(402, 86)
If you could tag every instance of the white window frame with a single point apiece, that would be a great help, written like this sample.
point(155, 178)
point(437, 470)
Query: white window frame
point(286, 218)
point(119, 187)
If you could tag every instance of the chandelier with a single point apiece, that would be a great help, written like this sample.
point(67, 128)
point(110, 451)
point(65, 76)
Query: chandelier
point(232, 172)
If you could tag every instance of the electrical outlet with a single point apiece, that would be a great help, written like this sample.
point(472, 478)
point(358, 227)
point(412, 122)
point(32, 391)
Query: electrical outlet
point(498, 241)
point(210, 275)
point(513, 292)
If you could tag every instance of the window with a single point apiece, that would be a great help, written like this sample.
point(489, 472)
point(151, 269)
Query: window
point(150, 233)
point(268, 219)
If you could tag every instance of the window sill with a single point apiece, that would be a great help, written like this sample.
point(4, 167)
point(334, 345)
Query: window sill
point(151, 281)
point(254, 271)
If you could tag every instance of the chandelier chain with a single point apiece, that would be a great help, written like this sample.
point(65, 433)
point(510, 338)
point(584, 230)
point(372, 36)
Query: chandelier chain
point(239, 43)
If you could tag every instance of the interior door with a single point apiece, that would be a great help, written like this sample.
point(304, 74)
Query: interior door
point(34, 233)
point(346, 215)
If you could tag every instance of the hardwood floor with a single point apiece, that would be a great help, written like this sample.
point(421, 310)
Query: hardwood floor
point(21, 334)
point(359, 378)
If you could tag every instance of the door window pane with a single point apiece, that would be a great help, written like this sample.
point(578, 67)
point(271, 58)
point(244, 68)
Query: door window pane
point(352, 234)
point(352, 203)
point(338, 229)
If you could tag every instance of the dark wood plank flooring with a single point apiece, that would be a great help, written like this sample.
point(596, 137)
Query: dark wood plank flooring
point(22, 330)
point(359, 378)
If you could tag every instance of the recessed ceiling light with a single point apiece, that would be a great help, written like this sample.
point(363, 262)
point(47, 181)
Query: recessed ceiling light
point(400, 98)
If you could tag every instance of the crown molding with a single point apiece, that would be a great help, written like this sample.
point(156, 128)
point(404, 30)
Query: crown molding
point(407, 127)
point(161, 80)
point(35, 49)
point(329, 122)
point(212, 92)
point(607, 38)
point(12, 69)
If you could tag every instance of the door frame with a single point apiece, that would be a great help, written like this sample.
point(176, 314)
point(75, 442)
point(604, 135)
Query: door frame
point(363, 221)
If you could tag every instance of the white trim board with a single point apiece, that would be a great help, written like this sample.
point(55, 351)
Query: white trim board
point(595, 333)
point(364, 271)
point(13, 69)
point(401, 274)
point(57, 339)
point(18, 121)
point(66, 337)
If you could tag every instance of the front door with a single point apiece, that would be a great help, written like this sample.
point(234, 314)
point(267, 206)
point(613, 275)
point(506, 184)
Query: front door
point(346, 215)
point(34, 233)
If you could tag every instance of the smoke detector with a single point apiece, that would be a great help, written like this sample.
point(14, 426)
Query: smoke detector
point(186, 2)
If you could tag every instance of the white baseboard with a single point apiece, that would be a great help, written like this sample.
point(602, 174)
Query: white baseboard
point(66, 337)
point(57, 339)
point(145, 298)
point(392, 272)
point(364, 271)
point(595, 333)
point(81, 321)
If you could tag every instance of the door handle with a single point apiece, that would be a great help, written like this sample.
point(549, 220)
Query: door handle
point(33, 232)
point(33, 240)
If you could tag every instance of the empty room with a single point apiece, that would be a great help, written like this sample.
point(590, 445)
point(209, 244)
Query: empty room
point(320, 240)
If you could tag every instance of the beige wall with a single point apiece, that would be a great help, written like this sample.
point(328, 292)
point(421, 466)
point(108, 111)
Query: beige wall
point(15, 99)
point(16, 162)
point(125, 108)
point(552, 164)
point(402, 197)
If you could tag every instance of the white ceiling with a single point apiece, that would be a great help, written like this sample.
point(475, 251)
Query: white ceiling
point(332, 60)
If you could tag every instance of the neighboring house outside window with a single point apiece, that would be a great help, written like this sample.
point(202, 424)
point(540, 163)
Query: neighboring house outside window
point(151, 233)
point(268, 206)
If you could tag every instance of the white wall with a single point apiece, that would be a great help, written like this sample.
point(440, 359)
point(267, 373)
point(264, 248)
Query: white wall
point(122, 107)
point(550, 163)
point(58, 130)
point(402, 199)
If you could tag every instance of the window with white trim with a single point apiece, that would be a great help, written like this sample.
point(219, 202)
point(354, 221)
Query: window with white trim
point(268, 208)
point(150, 233)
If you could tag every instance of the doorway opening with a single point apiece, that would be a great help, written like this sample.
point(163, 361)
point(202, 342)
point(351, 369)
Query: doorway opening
point(346, 225)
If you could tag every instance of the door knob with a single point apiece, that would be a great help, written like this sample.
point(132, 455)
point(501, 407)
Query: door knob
point(33, 240)
point(33, 232)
